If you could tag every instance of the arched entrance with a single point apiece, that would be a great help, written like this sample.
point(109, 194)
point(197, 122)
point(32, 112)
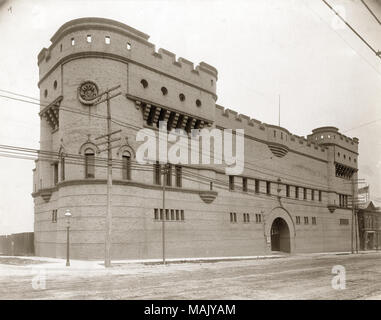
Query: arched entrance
point(280, 236)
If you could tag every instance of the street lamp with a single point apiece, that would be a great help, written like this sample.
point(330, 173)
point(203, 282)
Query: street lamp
point(68, 216)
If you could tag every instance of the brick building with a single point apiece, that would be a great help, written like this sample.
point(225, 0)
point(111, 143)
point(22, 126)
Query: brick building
point(369, 220)
point(292, 196)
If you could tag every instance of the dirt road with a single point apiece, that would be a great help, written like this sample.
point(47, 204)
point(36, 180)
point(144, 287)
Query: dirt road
point(293, 277)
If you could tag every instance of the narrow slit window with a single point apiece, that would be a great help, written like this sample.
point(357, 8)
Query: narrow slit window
point(126, 166)
point(157, 173)
point(89, 163)
point(169, 175)
point(55, 173)
point(179, 176)
point(244, 184)
point(88, 38)
point(107, 39)
point(268, 187)
point(72, 41)
point(256, 186)
point(54, 215)
point(231, 183)
point(128, 46)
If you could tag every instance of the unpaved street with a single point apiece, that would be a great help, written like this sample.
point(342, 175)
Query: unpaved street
point(293, 277)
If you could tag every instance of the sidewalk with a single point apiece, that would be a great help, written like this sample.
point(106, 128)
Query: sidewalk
point(49, 263)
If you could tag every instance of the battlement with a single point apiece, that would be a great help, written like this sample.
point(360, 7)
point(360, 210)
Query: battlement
point(331, 135)
point(107, 38)
point(270, 134)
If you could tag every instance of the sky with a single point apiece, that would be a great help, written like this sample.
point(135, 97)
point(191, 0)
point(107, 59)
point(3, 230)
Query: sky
point(297, 49)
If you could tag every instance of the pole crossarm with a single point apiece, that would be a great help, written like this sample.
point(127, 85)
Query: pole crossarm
point(105, 99)
point(110, 140)
point(108, 134)
point(106, 92)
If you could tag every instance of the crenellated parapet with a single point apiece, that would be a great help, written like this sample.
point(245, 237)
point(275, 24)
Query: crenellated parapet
point(107, 38)
point(279, 140)
point(331, 135)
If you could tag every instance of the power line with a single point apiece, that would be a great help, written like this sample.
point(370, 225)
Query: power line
point(298, 180)
point(343, 39)
point(353, 30)
point(371, 12)
point(136, 128)
point(193, 177)
point(17, 94)
point(363, 125)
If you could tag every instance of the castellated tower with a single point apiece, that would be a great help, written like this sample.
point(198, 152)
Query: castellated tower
point(86, 57)
point(294, 194)
point(342, 156)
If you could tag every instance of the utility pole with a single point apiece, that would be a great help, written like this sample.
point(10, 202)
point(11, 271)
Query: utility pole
point(353, 212)
point(108, 224)
point(165, 172)
point(279, 111)
point(354, 225)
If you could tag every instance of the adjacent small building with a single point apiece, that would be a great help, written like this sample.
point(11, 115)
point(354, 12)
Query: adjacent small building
point(369, 218)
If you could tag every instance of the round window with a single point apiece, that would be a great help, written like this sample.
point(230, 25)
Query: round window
point(88, 92)
point(144, 83)
point(164, 90)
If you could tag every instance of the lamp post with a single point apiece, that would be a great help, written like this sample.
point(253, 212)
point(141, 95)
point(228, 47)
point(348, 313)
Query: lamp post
point(68, 216)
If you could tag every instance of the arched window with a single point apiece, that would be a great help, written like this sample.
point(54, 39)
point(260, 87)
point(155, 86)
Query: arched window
point(89, 163)
point(126, 159)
